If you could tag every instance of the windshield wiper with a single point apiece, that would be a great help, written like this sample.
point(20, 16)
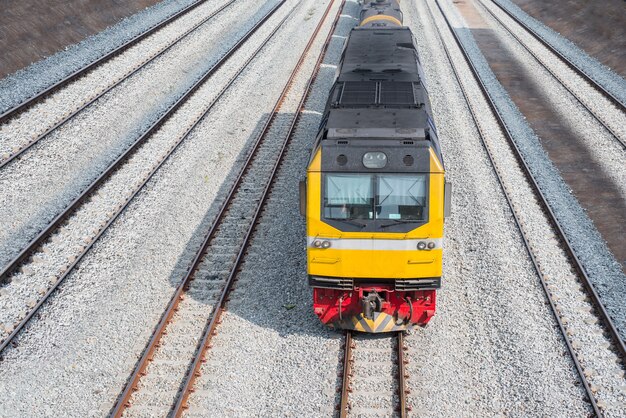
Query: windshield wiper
point(350, 221)
point(396, 222)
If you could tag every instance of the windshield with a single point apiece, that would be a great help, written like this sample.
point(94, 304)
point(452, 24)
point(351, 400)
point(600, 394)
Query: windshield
point(399, 197)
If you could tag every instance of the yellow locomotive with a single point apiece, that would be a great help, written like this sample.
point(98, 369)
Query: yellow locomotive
point(375, 195)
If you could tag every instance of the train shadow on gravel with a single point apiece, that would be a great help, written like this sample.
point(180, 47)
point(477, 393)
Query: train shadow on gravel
point(271, 291)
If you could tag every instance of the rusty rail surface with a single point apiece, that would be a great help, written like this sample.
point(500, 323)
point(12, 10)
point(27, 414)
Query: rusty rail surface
point(596, 115)
point(402, 375)
point(13, 111)
point(69, 116)
point(124, 400)
point(45, 234)
point(576, 265)
point(347, 374)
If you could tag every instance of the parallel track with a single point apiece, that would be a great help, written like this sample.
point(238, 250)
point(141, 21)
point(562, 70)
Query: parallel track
point(69, 116)
point(598, 117)
point(575, 262)
point(617, 102)
point(347, 373)
point(124, 399)
point(13, 111)
point(63, 217)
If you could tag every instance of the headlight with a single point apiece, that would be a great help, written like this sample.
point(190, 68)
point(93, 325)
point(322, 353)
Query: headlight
point(326, 244)
point(317, 243)
point(374, 159)
point(431, 245)
point(421, 245)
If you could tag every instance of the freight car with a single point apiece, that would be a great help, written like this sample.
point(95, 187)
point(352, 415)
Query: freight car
point(375, 194)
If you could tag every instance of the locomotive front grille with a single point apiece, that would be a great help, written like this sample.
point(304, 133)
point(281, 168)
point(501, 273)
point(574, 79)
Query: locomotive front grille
point(340, 283)
point(406, 285)
point(400, 285)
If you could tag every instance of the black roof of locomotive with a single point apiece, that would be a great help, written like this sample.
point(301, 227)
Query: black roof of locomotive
point(377, 123)
point(378, 92)
point(383, 54)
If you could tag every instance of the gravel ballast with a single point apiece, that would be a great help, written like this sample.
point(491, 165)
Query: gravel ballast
point(25, 83)
point(50, 175)
point(33, 122)
point(83, 226)
point(598, 72)
point(374, 380)
point(603, 270)
point(175, 354)
point(493, 346)
point(586, 335)
point(606, 151)
point(286, 363)
point(92, 332)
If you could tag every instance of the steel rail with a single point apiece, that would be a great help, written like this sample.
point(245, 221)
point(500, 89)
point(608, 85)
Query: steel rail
point(122, 207)
point(595, 115)
point(567, 246)
point(210, 330)
point(402, 375)
point(507, 134)
point(617, 102)
point(123, 400)
point(39, 239)
point(344, 405)
point(11, 112)
point(66, 118)
point(347, 374)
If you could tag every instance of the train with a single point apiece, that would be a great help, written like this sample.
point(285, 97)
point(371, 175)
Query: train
point(375, 195)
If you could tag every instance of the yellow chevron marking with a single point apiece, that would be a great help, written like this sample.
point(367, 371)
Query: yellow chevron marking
point(369, 323)
point(389, 325)
point(379, 320)
point(357, 325)
point(383, 323)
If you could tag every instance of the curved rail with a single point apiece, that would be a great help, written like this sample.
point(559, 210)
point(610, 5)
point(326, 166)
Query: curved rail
point(43, 236)
point(66, 118)
point(123, 400)
point(595, 115)
point(10, 113)
point(531, 180)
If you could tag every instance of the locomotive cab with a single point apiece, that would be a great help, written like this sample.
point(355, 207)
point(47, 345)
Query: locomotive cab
point(375, 209)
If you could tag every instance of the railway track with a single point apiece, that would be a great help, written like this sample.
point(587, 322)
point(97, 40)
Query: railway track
point(607, 95)
point(374, 376)
point(588, 158)
point(46, 234)
point(95, 96)
point(617, 102)
point(576, 265)
point(14, 110)
point(191, 318)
